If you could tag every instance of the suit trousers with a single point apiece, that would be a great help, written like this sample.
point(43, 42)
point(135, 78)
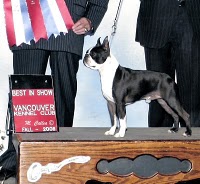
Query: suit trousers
point(179, 56)
point(64, 67)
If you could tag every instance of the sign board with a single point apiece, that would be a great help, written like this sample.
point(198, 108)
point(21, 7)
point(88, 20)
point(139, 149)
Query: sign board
point(32, 103)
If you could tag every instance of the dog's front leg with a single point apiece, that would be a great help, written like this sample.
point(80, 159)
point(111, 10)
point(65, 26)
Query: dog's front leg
point(121, 111)
point(113, 118)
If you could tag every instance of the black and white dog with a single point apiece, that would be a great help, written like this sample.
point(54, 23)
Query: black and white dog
point(123, 86)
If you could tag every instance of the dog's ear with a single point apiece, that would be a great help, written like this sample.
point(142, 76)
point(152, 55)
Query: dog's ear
point(106, 43)
point(98, 42)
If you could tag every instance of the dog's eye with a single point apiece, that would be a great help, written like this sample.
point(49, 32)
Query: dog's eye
point(93, 54)
point(105, 50)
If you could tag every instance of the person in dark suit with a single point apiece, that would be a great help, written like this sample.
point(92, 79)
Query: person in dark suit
point(64, 53)
point(169, 31)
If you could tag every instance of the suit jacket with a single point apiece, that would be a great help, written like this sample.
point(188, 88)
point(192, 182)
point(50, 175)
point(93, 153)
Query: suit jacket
point(155, 20)
point(94, 10)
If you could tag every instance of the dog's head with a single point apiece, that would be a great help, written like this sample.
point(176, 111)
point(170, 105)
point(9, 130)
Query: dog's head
point(97, 55)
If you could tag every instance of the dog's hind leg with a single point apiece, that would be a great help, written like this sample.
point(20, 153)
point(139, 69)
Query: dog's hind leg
point(113, 118)
point(169, 110)
point(186, 118)
point(175, 104)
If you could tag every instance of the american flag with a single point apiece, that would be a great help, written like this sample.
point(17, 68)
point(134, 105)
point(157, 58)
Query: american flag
point(28, 20)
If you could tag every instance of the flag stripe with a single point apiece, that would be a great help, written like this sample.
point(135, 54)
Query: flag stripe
point(30, 19)
point(48, 19)
point(26, 20)
point(18, 22)
point(65, 14)
point(37, 20)
point(9, 23)
point(57, 16)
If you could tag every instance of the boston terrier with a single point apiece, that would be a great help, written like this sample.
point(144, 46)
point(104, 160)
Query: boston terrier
point(123, 86)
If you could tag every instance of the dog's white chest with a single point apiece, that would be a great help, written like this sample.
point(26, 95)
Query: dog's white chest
point(107, 83)
point(107, 76)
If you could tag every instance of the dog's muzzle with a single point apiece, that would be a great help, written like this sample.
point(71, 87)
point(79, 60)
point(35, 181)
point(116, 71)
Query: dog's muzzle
point(87, 62)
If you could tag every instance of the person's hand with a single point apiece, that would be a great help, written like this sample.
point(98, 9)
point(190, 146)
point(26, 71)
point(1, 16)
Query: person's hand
point(82, 26)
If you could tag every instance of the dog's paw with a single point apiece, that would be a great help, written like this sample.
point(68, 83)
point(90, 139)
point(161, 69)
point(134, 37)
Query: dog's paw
point(173, 130)
point(120, 134)
point(110, 132)
point(187, 133)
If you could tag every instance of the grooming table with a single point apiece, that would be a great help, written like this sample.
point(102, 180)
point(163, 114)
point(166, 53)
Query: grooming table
point(87, 156)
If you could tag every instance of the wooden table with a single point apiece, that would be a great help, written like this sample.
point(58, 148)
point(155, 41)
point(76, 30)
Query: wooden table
point(144, 155)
